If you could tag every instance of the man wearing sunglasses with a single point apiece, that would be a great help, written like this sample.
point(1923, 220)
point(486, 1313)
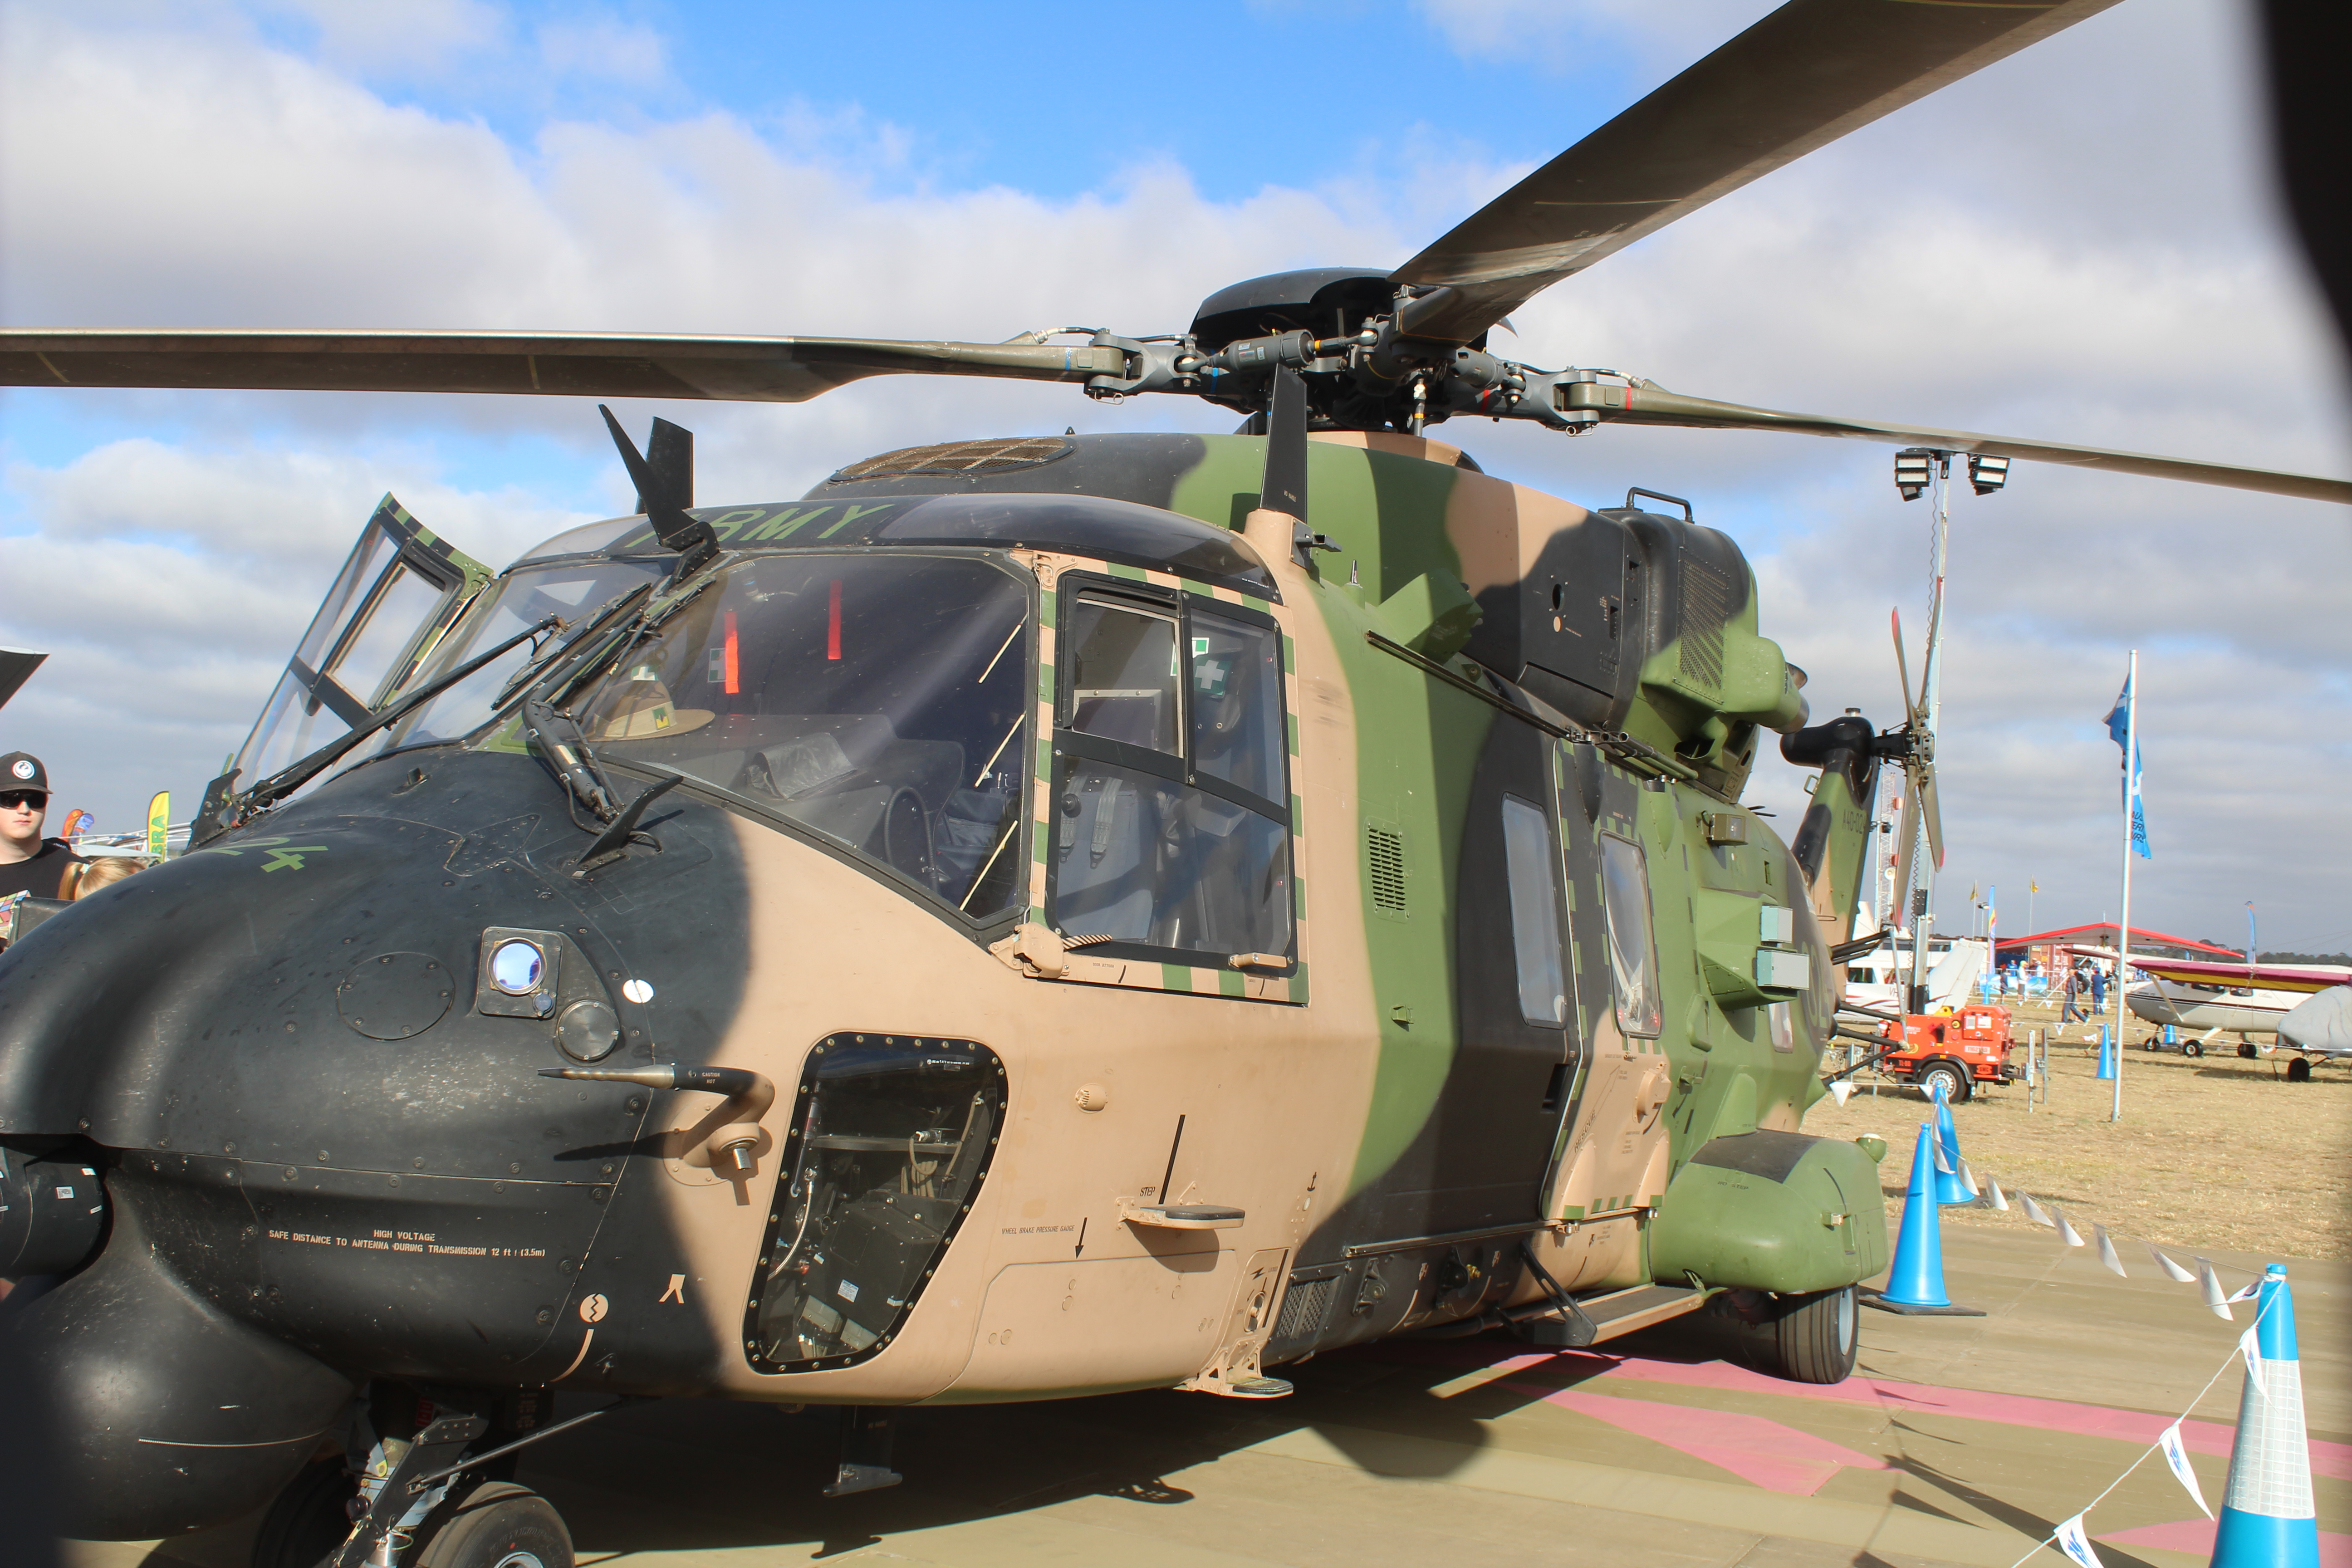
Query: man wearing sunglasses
point(28, 862)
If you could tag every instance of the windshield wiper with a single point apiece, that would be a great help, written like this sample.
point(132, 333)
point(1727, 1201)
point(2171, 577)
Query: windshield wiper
point(222, 810)
point(560, 740)
point(581, 630)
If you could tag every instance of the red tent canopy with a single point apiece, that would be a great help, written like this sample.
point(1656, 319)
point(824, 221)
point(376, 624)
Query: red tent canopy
point(2103, 932)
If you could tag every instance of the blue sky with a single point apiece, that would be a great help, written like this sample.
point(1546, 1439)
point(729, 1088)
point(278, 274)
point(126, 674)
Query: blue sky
point(2079, 243)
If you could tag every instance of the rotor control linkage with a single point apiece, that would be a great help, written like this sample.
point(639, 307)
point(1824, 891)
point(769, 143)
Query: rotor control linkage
point(734, 1146)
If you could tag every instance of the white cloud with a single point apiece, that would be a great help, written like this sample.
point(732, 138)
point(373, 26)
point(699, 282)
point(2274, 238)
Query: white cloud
point(604, 48)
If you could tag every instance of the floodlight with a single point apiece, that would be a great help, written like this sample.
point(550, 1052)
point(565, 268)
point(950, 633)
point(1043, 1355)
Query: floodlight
point(1912, 470)
point(1987, 473)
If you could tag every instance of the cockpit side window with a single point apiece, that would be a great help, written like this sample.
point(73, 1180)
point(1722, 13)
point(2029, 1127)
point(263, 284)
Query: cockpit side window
point(1170, 835)
point(878, 699)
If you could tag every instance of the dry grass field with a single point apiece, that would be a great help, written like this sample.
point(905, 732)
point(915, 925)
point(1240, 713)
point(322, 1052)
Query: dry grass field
point(2216, 1151)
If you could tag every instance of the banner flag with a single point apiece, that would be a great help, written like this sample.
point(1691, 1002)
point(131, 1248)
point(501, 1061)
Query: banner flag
point(2075, 1544)
point(159, 825)
point(2177, 1456)
point(2119, 728)
point(2211, 1286)
point(2107, 1252)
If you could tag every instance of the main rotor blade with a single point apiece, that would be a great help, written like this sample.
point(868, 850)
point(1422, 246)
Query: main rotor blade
point(1645, 403)
point(572, 364)
point(1803, 77)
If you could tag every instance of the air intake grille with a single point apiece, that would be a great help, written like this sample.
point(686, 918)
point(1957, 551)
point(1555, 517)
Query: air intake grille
point(1384, 852)
point(1707, 604)
point(957, 458)
point(1303, 1309)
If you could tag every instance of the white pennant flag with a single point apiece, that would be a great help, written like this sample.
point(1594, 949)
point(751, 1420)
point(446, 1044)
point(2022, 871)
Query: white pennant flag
point(1840, 1089)
point(2107, 1252)
point(1968, 1178)
point(2075, 1544)
point(2251, 1348)
point(2066, 1232)
point(2172, 1271)
point(2246, 1292)
point(1942, 1162)
point(1999, 1199)
point(2177, 1456)
point(2207, 1282)
point(2034, 1211)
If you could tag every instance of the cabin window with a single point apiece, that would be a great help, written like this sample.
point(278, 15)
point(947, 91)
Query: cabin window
point(1170, 835)
point(1633, 949)
point(1533, 872)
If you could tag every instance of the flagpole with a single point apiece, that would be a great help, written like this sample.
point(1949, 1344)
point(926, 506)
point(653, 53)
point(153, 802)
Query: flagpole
point(2122, 936)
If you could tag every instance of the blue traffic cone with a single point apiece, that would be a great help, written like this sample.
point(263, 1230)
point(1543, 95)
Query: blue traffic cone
point(1915, 1286)
point(2267, 1516)
point(1950, 1187)
point(2109, 1051)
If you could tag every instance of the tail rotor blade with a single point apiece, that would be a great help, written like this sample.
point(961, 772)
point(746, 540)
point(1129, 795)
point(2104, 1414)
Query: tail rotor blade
point(1902, 667)
point(1923, 787)
point(1907, 846)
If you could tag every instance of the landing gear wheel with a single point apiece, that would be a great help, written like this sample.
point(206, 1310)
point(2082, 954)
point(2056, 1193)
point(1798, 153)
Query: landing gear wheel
point(2299, 1070)
point(307, 1520)
point(2192, 1048)
point(1957, 1087)
point(1816, 1337)
point(499, 1525)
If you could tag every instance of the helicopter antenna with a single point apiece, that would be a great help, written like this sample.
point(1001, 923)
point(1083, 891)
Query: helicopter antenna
point(1284, 488)
point(665, 481)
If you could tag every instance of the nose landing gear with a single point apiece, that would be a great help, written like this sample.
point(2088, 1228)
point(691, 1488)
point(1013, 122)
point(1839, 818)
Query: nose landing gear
point(426, 1482)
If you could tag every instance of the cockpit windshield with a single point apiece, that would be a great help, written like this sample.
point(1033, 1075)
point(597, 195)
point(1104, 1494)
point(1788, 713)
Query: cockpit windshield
point(878, 700)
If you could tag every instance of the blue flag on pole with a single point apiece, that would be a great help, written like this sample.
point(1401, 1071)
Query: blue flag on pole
point(2119, 728)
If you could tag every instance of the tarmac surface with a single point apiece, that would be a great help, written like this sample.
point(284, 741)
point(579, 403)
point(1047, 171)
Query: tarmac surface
point(1957, 1440)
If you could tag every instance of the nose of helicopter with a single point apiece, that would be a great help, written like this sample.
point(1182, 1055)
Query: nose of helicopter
point(307, 1060)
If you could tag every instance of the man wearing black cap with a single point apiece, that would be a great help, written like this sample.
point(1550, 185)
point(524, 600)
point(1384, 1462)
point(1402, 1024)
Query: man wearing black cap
point(28, 862)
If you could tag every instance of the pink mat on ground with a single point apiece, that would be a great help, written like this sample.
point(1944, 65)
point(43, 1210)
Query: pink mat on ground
point(2329, 1459)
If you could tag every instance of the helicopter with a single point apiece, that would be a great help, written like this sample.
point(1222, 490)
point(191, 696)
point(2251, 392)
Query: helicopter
point(884, 947)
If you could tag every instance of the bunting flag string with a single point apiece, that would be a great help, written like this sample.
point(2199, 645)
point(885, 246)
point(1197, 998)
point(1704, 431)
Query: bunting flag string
point(2070, 1535)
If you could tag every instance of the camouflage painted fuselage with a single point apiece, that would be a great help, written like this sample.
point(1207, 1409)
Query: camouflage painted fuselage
point(1497, 703)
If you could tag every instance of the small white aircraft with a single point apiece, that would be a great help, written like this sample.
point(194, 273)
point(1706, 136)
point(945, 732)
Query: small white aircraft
point(2248, 999)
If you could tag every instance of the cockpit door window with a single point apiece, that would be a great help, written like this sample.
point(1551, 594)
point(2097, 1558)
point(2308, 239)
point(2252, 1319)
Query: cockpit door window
point(398, 592)
point(1126, 683)
point(1170, 832)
